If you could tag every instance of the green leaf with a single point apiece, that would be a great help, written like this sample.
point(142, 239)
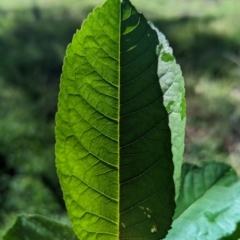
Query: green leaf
point(35, 227)
point(209, 203)
point(113, 140)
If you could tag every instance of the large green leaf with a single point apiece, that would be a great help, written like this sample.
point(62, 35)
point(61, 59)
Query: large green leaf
point(114, 147)
point(209, 203)
point(35, 227)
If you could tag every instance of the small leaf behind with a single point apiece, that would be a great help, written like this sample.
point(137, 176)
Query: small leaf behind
point(35, 227)
point(209, 203)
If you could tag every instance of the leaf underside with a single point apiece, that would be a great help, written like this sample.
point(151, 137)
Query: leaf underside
point(113, 141)
point(172, 85)
point(209, 203)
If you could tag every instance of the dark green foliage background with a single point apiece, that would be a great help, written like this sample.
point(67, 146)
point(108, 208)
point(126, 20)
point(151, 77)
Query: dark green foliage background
point(32, 44)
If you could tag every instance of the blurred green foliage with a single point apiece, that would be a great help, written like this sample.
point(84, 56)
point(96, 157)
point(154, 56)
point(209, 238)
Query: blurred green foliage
point(33, 39)
point(32, 46)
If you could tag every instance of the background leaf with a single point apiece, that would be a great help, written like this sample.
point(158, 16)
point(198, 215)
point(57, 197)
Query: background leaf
point(209, 203)
point(38, 228)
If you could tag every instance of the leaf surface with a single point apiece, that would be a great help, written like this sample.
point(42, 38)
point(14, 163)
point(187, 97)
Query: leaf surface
point(87, 146)
point(209, 203)
point(35, 227)
point(113, 140)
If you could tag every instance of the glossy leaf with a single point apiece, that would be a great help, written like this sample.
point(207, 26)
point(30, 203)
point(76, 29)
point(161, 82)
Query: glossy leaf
point(114, 147)
point(209, 203)
point(35, 227)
